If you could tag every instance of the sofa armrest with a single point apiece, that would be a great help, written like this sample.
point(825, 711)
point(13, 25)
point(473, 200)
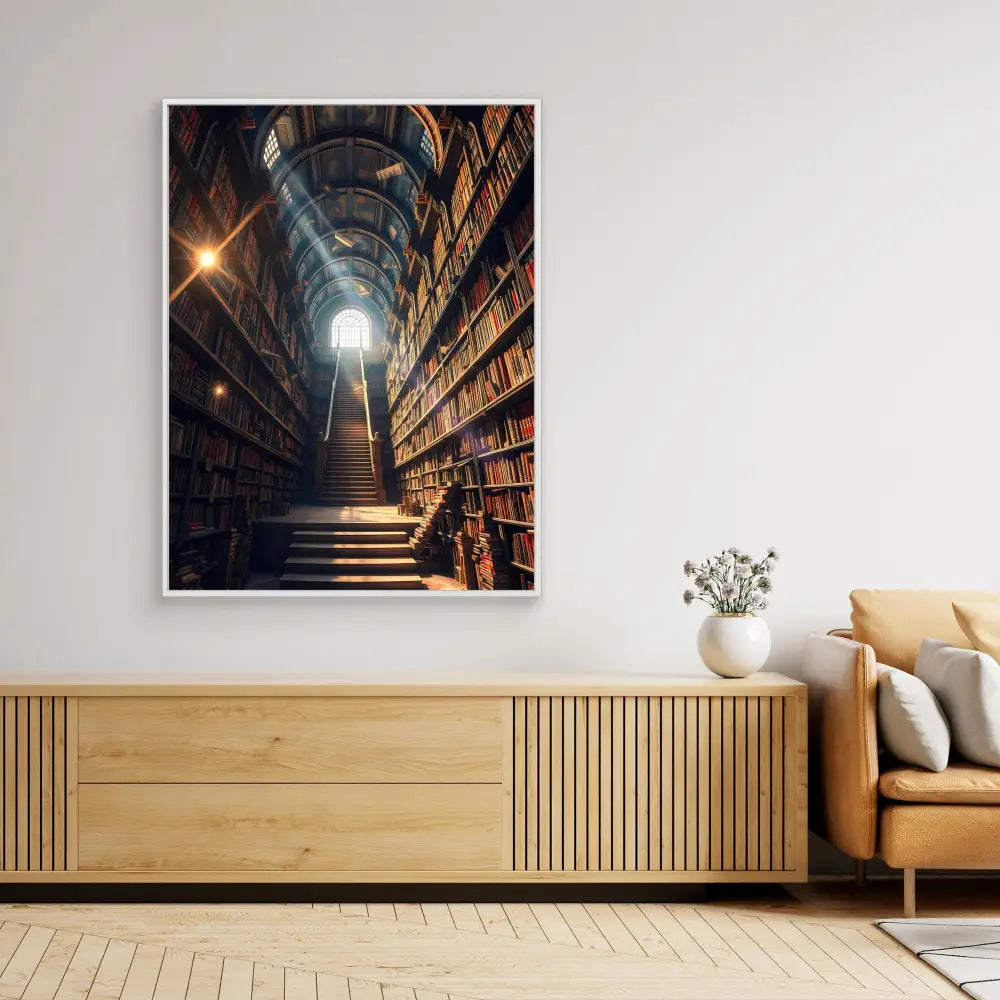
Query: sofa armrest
point(843, 743)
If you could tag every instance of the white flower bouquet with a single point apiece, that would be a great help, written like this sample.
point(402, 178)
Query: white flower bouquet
point(732, 583)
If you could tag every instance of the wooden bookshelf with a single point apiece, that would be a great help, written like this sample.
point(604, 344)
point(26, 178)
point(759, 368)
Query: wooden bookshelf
point(460, 368)
point(240, 356)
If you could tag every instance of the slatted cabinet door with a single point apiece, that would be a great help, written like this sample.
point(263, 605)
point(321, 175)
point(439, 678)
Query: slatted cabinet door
point(37, 784)
point(711, 785)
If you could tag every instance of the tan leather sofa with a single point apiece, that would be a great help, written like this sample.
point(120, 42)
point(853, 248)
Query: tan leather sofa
point(863, 802)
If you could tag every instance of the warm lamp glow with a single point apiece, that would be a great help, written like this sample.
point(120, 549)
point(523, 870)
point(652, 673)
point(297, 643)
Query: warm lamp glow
point(207, 258)
point(219, 389)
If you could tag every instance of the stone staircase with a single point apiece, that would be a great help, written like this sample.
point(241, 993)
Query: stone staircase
point(352, 555)
point(348, 480)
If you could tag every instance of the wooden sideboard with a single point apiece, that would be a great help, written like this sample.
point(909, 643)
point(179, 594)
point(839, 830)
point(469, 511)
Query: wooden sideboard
point(565, 779)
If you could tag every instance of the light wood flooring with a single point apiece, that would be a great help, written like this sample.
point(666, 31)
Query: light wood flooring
point(818, 944)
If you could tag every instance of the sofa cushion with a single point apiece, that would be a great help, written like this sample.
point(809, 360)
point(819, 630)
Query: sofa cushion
point(967, 683)
point(895, 622)
point(911, 723)
point(962, 783)
point(980, 621)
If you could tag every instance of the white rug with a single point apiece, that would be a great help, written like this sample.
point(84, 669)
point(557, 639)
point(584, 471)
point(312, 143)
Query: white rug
point(966, 951)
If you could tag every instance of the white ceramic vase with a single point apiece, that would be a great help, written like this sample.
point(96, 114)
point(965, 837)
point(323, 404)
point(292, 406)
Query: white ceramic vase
point(734, 645)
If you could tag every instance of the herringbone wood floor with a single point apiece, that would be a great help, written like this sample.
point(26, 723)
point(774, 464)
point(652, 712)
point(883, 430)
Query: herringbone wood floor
point(820, 945)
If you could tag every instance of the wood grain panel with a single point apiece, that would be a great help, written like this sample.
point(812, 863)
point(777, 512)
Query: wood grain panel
point(289, 739)
point(704, 784)
point(34, 789)
point(305, 827)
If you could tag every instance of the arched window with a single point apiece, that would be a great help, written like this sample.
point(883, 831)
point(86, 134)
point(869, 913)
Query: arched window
point(271, 150)
point(351, 328)
point(426, 149)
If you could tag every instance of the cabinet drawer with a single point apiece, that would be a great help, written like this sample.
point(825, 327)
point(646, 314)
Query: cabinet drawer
point(302, 827)
point(264, 739)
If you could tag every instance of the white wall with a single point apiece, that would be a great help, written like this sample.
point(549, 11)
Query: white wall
point(770, 305)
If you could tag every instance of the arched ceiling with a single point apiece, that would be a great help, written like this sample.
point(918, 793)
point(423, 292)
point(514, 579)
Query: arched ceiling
point(345, 178)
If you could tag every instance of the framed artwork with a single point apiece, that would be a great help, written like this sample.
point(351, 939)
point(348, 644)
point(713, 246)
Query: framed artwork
point(350, 335)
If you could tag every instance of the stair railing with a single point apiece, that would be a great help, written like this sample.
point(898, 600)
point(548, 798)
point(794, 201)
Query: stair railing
point(333, 389)
point(374, 440)
point(322, 444)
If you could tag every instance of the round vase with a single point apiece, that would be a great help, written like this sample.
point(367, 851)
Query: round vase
point(734, 645)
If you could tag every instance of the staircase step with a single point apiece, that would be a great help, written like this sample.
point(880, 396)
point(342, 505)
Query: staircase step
point(346, 564)
point(356, 550)
point(390, 537)
point(302, 581)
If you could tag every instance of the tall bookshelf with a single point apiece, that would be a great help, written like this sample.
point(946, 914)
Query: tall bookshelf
point(460, 370)
point(239, 354)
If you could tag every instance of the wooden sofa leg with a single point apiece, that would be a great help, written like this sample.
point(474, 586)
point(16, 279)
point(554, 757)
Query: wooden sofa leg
point(860, 872)
point(909, 892)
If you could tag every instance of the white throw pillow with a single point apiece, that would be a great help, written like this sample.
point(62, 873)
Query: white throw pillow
point(911, 723)
point(967, 683)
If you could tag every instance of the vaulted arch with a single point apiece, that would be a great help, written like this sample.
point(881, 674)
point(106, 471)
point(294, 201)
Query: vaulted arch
point(353, 172)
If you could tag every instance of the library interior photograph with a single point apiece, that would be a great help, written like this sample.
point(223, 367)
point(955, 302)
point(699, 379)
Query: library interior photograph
point(350, 346)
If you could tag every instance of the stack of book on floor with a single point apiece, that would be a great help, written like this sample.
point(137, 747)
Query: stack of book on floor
point(492, 567)
point(436, 509)
point(189, 567)
point(523, 546)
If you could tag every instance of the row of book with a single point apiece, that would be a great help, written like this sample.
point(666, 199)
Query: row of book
point(232, 349)
point(218, 449)
point(420, 297)
point(213, 484)
point(208, 157)
point(504, 469)
point(187, 216)
point(512, 505)
point(221, 193)
point(185, 123)
point(182, 434)
point(508, 430)
point(514, 426)
point(471, 232)
point(461, 559)
point(480, 289)
point(529, 269)
point(494, 118)
point(249, 250)
point(450, 335)
point(522, 545)
point(204, 515)
point(510, 157)
point(522, 229)
point(179, 476)
point(233, 352)
point(462, 474)
point(500, 375)
point(492, 324)
point(417, 327)
point(465, 180)
point(472, 505)
point(187, 310)
point(440, 246)
point(472, 348)
point(192, 381)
